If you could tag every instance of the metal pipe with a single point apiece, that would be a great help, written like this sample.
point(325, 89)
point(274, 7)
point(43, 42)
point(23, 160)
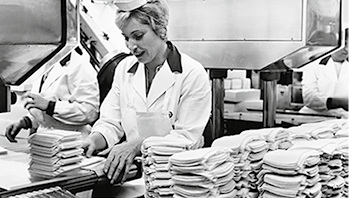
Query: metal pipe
point(218, 107)
point(269, 103)
point(217, 77)
point(5, 99)
point(269, 80)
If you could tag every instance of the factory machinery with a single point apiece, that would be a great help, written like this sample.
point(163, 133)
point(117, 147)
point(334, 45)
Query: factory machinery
point(272, 37)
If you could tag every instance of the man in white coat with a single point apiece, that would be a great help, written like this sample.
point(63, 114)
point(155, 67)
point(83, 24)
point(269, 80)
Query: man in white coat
point(325, 84)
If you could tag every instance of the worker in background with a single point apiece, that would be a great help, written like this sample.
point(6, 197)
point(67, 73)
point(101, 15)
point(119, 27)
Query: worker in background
point(325, 84)
point(155, 92)
point(66, 97)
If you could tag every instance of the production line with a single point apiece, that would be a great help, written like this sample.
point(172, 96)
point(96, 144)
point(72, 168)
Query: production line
point(217, 99)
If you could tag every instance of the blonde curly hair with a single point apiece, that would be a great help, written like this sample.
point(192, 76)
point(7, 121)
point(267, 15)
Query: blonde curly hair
point(154, 13)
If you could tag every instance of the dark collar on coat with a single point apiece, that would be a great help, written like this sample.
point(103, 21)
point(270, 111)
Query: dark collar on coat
point(325, 60)
point(173, 59)
point(65, 60)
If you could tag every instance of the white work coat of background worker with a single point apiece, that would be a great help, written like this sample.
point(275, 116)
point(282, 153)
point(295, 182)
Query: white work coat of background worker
point(180, 90)
point(324, 82)
point(73, 87)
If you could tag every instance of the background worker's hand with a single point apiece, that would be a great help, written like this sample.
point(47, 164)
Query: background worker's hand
point(13, 129)
point(35, 101)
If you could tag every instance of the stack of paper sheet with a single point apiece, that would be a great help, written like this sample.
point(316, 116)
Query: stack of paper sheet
point(332, 155)
point(248, 151)
point(290, 173)
point(54, 152)
point(155, 154)
point(205, 172)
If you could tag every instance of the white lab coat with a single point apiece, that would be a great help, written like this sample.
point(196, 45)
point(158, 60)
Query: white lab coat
point(74, 87)
point(189, 98)
point(320, 81)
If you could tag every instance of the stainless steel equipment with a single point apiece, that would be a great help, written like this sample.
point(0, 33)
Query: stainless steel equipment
point(33, 33)
point(249, 34)
point(267, 35)
point(271, 36)
point(36, 33)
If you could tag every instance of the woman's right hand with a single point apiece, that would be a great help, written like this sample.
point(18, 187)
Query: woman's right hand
point(89, 147)
point(120, 159)
point(93, 143)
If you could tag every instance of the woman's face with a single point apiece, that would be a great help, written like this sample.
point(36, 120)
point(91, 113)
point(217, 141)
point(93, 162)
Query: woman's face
point(142, 41)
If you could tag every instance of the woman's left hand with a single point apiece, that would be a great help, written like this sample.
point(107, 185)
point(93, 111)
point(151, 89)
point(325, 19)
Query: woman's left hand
point(35, 101)
point(120, 160)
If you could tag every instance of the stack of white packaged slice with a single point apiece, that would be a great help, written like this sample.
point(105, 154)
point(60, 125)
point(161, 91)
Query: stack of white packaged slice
point(310, 131)
point(276, 137)
point(345, 163)
point(54, 152)
point(332, 164)
point(290, 173)
point(155, 154)
point(205, 172)
point(52, 192)
point(248, 150)
point(333, 128)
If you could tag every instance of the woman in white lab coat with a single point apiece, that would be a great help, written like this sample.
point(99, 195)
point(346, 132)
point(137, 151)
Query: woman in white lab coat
point(155, 92)
point(66, 97)
point(325, 84)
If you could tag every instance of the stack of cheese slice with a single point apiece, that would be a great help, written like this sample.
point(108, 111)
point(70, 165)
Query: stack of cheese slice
point(54, 152)
point(205, 172)
point(155, 155)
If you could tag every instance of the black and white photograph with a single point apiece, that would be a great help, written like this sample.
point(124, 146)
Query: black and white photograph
point(174, 99)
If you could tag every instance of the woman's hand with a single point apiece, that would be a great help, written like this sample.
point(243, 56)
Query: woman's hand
point(120, 160)
point(35, 101)
point(93, 143)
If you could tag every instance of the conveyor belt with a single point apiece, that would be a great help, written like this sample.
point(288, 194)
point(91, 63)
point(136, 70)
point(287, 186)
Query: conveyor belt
point(74, 183)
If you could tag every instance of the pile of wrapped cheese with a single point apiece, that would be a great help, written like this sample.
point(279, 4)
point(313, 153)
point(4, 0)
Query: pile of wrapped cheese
point(155, 154)
point(54, 152)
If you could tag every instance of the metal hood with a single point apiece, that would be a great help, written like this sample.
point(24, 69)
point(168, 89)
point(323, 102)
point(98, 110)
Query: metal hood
point(34, 33)
point(251, 34)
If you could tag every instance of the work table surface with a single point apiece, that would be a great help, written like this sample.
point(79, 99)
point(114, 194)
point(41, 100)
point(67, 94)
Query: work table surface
point(290, 117)
point(15, 177)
